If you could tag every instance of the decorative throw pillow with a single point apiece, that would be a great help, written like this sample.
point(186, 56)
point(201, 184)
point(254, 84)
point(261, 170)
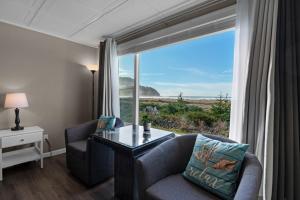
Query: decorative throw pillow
point(106, 123)
point(215, 165)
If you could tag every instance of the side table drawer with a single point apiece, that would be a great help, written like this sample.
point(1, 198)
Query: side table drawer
point(21, 139)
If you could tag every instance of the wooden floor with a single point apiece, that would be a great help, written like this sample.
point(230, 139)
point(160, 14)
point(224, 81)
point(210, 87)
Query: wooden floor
point(29, 182)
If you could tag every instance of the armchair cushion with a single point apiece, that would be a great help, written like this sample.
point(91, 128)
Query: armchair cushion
point(78, 149)
point(215, 165)
point(175, 187)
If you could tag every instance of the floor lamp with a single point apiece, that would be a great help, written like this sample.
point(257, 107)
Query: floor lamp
point(93, 68)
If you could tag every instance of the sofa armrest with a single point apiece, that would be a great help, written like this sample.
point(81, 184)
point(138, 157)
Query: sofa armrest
point(80, 132)
point(251, 175)
point(170, 157)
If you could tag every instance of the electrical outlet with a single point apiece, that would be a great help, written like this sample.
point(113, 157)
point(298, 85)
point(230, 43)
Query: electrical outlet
point(46, 137)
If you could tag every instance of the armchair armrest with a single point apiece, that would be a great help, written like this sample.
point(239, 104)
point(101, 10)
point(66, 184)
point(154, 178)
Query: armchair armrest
point(249, 186)
point(80, 132)
point(170, 157)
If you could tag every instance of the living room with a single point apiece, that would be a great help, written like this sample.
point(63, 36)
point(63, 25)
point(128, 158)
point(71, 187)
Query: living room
point(149, 99)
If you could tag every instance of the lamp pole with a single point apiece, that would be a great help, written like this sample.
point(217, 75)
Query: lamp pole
point(93, 68)
point(93, 94)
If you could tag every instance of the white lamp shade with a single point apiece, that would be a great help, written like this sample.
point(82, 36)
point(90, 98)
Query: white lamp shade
point(16, 100)
point(92, 67)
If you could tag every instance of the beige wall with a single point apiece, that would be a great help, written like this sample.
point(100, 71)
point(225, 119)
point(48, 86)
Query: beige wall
point(51, 72)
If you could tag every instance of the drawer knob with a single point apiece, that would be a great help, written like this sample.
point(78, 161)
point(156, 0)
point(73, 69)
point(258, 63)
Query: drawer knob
point(22, 140)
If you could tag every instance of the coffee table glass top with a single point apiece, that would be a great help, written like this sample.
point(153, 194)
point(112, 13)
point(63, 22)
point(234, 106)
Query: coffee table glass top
point(132, 137)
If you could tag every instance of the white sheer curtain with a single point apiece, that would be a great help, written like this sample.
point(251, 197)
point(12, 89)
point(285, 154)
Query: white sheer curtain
point(243, 37)
point(110, 91)
point(252, 108)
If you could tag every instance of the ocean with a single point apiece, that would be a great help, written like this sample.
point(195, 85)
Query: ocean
point(185, 97)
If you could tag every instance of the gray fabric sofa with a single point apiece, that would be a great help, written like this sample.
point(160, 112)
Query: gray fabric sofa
point(159, 173)
point(88, 160)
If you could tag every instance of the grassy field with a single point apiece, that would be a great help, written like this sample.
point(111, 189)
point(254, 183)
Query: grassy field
point(203, 103)
point(182, 116)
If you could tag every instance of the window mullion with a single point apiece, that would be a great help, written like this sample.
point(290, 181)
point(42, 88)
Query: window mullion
point(136, 89)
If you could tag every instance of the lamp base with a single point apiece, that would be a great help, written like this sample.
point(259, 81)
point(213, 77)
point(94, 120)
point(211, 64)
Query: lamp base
point(17, 128)
point(17, 121)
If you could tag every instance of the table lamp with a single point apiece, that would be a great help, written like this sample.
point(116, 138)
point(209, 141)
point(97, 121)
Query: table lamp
point(93, 68)
point(16, 100)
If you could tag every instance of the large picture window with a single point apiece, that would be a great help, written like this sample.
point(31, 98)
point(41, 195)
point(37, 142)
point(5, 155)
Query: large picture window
point(186, 87)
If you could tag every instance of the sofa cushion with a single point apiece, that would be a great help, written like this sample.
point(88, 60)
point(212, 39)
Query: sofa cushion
point(77, 149)
point(175, 187)
point(215, 165)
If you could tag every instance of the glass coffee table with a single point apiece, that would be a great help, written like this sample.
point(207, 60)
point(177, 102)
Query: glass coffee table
point(129, 143)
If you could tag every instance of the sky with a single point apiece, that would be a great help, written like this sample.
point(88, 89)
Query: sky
point(197, 67)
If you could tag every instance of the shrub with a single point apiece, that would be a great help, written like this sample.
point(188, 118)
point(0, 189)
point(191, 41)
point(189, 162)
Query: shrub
point(166, 121)
point(181, 117)
point(220, 128)
point(174, 108)
point(221, 109)
point(144, 105)
point(126, 109)
point(192, 108)
point(197, 117)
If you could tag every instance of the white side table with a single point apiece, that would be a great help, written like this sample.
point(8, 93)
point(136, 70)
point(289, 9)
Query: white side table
point(10, 138)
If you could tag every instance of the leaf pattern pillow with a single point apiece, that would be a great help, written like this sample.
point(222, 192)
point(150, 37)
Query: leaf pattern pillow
point(106, 123)
point(215, 165)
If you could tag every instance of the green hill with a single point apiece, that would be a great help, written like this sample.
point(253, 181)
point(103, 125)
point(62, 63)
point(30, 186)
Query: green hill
point(126, 88)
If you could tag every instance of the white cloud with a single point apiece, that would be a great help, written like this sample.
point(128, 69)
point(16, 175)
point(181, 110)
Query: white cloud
point(219, 77)
point(124, 72)
point(152, 74)
point(193, 89)
point(228, 71)
point(188, 69)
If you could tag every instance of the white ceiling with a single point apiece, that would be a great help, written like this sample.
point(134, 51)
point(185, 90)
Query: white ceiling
point(87, 21)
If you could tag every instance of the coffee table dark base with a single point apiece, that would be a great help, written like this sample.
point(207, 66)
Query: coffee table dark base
point(125, 179)
point(129, 143)
point(124, 175)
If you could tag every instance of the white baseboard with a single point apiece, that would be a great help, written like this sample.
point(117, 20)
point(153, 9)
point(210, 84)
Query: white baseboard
point(55, 153)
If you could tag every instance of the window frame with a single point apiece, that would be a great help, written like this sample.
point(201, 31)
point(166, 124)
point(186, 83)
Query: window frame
point(222, 20)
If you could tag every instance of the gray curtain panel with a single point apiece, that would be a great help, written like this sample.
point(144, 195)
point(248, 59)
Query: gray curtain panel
point(258, 102)
point(286, 172)
point(101, 77)
point(109, 101)
point(259, 74)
